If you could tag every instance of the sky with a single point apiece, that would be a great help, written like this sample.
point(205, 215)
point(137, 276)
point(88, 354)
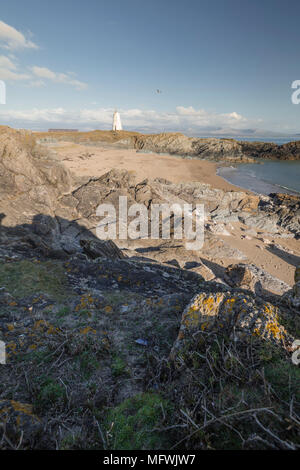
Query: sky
point(222, 66)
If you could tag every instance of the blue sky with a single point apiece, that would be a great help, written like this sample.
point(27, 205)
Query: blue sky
point(223, 66)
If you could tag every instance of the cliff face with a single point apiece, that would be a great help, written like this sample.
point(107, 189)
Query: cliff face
point(176, 143)
point(217, 149)
point(289, 151)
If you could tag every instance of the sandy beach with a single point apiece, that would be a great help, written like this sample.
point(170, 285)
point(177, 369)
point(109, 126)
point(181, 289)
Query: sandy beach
point(86, 160)
point(95, 161)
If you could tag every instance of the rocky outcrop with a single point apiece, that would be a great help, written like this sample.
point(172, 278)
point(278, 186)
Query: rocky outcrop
point(229, 150)
point(31, 181)
point(288, 151)
point(101, 249)
point(239, 275)
point(216, 149)
point(175, 143)
point(238, 315)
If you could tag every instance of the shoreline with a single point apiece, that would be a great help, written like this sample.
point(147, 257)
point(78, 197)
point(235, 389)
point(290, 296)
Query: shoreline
point(253, 182)
point(95, 161)
point(219, 174)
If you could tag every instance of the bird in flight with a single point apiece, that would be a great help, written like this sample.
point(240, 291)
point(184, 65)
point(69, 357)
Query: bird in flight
point(158, 92)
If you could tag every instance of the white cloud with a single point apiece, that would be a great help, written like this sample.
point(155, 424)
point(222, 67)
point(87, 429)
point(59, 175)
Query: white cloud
point(184, 119)
point(67, 78)
point(37, 77)
point(9, 70)
point(11, 38)
point(5, 62)
point(37, 83)
point(204, 118)
point(43, 72)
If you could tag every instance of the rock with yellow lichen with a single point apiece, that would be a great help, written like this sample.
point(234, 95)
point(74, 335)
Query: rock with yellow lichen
point(235, 315)
point(18, 424)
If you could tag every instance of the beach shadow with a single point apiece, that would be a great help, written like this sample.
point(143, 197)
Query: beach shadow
point(53, 237)
point(50, 237)
point(217, 269)
point(285, 255)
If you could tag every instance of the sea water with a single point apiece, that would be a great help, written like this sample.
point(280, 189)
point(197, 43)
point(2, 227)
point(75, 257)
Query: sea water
point(265, 177)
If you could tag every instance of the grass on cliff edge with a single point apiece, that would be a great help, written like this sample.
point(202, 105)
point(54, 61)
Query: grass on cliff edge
point(24, 278)
point(135, 422)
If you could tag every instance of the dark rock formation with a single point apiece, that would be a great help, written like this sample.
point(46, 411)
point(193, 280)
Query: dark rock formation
point(222, 149)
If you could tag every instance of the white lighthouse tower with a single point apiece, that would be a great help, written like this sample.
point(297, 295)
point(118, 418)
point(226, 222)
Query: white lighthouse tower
point(117, 125)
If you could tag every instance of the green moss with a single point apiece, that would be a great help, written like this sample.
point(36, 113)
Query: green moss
point(88, 364)
point(284, 378)
point(131, 425)
point(118, 366)
point(23, 278)
point(50, 393)
point(37, 357)
point(64, 311)
point(291, 322)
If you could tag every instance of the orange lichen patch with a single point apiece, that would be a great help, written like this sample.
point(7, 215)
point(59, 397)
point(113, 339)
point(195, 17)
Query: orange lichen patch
point(108, 309)
point(273, 326)
point(12, 304)
point(22, 407)
point(10, 327)
point(228, 307)
point(52, 330)
point(87, 330)
point(43, 326)
point(17, 414)
point(3, 411)
point(201, 307)
point(191, 318)
point(39, 324)
point(11, 346)
point(85, 301)
point(204, 326)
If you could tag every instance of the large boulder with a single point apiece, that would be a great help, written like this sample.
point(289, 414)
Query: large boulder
point(239, 275)
point(233, 315)
point(101, 249)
